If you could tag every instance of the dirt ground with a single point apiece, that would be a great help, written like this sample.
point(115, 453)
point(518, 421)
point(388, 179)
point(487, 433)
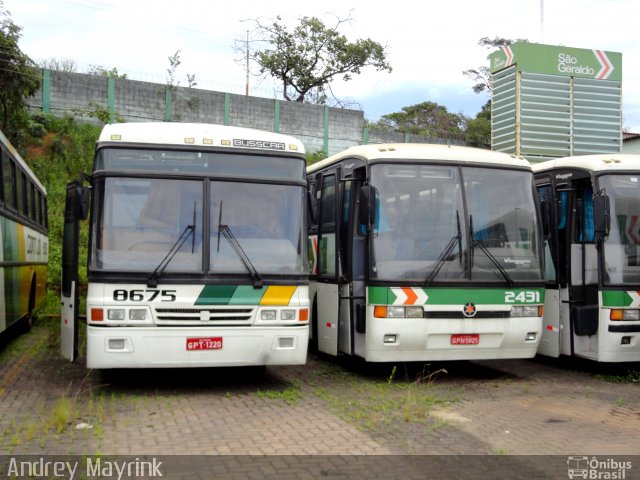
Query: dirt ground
point(331, 418)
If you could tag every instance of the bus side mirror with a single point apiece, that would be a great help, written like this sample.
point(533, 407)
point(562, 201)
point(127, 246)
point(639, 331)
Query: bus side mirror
point(312, 203)
point(367, 206)
point(76, 202)
point(601, 215)
point(545, 211)
point(83, 202)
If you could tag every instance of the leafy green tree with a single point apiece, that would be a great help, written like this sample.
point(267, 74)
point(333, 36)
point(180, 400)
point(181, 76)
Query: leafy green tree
point(481, 75)
point(306, 59)
point(478, 130)
point(427, 118)
point(103, 72)
point(313, 157)
point(19, 79)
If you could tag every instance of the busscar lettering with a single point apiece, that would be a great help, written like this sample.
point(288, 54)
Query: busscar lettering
point(237, 142)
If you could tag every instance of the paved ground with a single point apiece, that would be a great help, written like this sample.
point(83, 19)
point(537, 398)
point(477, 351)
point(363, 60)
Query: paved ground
point(441, 414)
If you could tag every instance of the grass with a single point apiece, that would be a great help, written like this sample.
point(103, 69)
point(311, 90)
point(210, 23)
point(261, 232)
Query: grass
point(621, 401)
point(376, 404)
point(61, 415)
point(501, 451)
point(289, 395)
point(630, 376)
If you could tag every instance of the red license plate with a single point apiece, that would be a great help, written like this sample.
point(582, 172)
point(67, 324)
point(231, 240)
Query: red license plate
point(204, 343)
point(465, 339)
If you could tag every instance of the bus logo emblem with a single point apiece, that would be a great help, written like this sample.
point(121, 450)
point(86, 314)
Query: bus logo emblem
point(469, 310)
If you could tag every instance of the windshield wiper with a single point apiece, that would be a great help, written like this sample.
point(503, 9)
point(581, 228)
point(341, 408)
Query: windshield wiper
point(494, 260)
point(258, 282)
point(152, 279)
point(457, 238)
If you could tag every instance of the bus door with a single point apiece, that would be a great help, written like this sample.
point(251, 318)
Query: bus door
point(352, 256)
point(574, 256)
point(327, 296)
point(551, 331)
point(583, 273)
point(75, 209)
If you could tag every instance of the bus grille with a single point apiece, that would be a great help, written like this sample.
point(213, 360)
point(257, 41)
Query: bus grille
point(445, 315)
point(200, 316)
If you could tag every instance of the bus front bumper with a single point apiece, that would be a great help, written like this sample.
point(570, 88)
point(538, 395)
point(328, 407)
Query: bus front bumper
point(169, 347)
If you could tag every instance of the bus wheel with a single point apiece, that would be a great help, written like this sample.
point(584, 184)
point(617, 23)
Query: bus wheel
point(27, 323)
point(313, 341)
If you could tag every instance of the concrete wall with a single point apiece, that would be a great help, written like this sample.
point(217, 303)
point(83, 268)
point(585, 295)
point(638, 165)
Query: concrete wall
point(320, 128)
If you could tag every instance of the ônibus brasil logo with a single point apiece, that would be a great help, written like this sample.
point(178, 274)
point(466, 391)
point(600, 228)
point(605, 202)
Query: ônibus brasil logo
point(595, 468)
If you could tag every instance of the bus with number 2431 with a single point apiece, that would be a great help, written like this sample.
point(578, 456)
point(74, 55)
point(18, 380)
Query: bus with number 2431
point(425, 252)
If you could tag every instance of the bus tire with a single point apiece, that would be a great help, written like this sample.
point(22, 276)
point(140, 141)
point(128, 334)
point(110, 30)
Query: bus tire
point(27, 323)
point(313, 338)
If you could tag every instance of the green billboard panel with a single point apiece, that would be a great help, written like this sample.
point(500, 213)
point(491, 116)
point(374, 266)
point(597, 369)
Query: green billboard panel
point(558, 60)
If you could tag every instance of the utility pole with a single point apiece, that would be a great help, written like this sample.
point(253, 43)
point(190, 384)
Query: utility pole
point(246, 90)
point(541, 21)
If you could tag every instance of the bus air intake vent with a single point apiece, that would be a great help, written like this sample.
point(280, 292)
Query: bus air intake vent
point(204, 315)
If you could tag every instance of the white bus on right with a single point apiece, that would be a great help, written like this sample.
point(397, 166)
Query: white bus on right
point(591, 207)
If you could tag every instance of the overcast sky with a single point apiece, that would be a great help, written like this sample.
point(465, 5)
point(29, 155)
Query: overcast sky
point(429, 43)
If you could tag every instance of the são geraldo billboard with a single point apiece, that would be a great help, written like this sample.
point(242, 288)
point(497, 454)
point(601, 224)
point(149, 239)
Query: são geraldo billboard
point(558, 60)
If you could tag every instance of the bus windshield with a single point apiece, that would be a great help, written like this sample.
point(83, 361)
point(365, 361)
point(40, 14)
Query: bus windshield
point(265, 221)
point(454, 224)
point(622, 245)
point(139, 220)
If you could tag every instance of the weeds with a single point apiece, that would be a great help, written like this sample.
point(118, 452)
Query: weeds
point(290, 395)
point(376, 404)
point(631, 376)
point(61, 415)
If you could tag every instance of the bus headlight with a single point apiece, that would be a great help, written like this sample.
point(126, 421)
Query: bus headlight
point(395, 312)
point(413, 312)
point(137, 314)
point(526, 311)
point(115, 314)
point(287, 314)
point(267, 314)
point(381, 311)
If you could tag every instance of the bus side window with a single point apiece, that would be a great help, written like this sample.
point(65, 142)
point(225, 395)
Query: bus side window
point(32, 202)
point(345, 203)
point(564, 247)
point(327, 241)
point(8, 180)
point(21, 191)
point(587, 224)
point(544, 197)
point(2, 160)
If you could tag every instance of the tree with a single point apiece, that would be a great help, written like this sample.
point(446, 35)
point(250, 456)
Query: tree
point(61, 65)
point(427, 119)
point(174, 63)
point(478, 130)
point(19, 78)
point(308, 58)
point(481, 75)
point(100, 71)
